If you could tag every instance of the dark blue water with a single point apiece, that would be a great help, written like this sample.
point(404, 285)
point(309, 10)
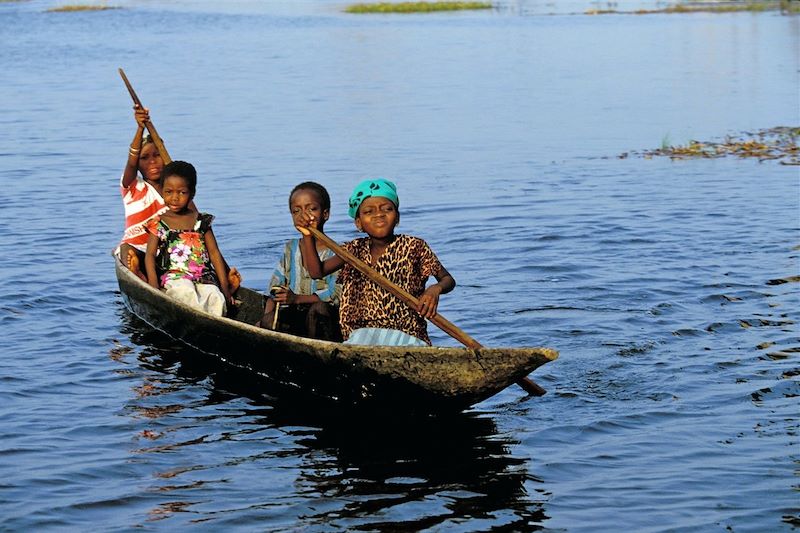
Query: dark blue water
point(669, 287)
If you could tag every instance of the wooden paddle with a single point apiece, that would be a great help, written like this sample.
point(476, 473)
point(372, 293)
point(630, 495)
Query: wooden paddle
point(149, 125)
point(445, 325)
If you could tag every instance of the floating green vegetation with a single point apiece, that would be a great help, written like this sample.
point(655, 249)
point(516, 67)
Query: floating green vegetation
point(415, 7)
point(786, 6)
point(79, 7)
point(778, 144)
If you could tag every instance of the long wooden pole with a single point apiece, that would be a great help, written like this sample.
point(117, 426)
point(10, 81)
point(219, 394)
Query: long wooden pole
point(149, 125)
point(445, 325)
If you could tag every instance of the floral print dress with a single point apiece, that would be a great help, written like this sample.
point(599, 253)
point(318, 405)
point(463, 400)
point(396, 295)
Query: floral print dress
point(182, 253)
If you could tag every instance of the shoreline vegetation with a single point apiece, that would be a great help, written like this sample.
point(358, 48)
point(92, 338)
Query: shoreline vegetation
point(416, 7)
point(773, 144)
point(70, 8)
point(784, 6)
point(709, 6)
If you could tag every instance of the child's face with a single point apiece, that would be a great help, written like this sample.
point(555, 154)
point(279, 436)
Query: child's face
point(150, 162)
point(377, 216)
point(176, 193)
point(306, 201)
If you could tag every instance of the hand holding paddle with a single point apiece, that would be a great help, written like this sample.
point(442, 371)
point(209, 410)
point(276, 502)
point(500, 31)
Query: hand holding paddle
point(445, 325)
point(149, 125)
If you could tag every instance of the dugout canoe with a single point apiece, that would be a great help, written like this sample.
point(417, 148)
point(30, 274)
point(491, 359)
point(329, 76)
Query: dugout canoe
point(426, 378)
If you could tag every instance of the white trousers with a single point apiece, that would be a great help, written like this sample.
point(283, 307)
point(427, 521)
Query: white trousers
point(201, 296)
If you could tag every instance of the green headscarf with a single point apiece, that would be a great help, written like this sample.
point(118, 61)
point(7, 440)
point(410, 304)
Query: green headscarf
point(373, 187)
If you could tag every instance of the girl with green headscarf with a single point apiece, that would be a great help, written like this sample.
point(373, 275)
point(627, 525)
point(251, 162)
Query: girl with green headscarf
point(368, 313)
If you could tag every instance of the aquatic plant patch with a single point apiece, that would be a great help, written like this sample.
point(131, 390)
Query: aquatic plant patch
point(786, 6)
point(774, 144)
point(415, 7)
point(80, 7)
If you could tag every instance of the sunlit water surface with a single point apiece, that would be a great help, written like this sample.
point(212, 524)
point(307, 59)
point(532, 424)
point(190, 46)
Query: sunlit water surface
point(669, 287)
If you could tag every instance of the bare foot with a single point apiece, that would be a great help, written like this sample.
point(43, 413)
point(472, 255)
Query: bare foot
point(234, 280)
point(133, 264)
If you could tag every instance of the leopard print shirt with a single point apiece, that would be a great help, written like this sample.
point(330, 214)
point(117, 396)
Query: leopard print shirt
point(408, 262)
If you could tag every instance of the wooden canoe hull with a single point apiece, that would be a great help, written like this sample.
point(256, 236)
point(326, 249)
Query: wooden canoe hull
point(427, 378)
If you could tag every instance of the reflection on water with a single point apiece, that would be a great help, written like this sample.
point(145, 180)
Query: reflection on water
point(354, 470)
point(385, 468)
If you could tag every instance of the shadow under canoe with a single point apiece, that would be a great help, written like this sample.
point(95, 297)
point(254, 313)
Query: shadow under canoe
point(425, 378)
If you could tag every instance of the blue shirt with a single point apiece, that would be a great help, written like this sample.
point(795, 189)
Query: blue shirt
point(291, 273)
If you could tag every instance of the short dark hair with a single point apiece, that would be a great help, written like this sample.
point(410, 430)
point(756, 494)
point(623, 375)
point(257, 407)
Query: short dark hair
point(184, 170)
point(322, 192)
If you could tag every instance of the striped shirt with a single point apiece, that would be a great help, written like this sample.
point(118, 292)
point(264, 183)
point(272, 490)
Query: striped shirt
point(383, 337)
point(291, 273)
point(142, 202)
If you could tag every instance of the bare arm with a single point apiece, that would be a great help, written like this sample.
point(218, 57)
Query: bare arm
point(445, 280)
point(288, 296)
point(429, 301)
point(308, 249)
point(305, 299)
point(219, 264)
point(268, 309)
point(150, 260)
point(228, 269)
point(132, 164)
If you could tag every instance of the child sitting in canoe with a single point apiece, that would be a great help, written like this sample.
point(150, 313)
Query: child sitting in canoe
point(368, 313)
point(186, 246)
point(141, 195)
point(299, 304)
